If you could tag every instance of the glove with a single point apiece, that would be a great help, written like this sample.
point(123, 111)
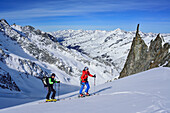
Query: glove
point(94, 76)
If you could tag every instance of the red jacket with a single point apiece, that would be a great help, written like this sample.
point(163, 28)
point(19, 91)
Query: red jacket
point(85, 75)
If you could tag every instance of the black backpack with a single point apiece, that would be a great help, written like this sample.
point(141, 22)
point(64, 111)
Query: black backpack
point(45, 81)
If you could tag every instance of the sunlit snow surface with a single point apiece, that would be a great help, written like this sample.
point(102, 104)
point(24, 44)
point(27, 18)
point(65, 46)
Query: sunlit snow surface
point(146, 92)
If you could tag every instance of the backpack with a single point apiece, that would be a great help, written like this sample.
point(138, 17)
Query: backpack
point(80, 79)
point(45, 81)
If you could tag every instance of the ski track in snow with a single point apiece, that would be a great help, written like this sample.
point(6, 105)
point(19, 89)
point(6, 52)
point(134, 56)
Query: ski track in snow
point(157, 107)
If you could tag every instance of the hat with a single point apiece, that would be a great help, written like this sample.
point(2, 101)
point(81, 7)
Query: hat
point(86, 68)
point(53, 74)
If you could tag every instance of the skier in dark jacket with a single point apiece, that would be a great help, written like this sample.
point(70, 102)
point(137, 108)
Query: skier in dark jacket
point(50, 83)
point(84, 81)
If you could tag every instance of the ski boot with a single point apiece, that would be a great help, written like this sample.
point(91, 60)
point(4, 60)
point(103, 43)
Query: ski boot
point(87, 94)
point(48, 100)
point(53, 100)
point(81, 95)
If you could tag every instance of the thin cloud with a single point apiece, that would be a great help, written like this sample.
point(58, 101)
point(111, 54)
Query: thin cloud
point(76, 8)
point(75, 27)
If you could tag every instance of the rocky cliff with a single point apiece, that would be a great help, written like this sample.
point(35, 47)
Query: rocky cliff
point(141, 57)
point(6, 81)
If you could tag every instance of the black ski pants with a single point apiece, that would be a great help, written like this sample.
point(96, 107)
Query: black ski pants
point(50, 88)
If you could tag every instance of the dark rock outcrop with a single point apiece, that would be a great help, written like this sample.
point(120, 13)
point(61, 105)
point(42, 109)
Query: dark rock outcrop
point(6, 81)
point(141, 58)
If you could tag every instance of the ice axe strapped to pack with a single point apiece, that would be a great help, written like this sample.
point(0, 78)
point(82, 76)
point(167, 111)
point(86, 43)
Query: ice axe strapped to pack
point(45, 81)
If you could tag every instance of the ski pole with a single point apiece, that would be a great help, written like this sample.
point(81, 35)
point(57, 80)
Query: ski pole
point(55, 87)
point(58, 90)
point(94, 84)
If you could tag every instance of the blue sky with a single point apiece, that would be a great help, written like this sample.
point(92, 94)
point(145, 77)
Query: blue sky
point(52, 15)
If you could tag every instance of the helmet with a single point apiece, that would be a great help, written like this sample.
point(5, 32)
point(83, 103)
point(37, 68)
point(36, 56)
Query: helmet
point(86, 68)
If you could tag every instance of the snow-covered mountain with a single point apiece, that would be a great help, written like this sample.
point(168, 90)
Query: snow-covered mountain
point(146, 92)
point(111, 47)
point(27, 54)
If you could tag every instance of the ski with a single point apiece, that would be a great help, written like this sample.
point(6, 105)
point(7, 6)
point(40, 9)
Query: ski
point(70, 98)
point(88, 95)
point(46, 102)
point(49, 101)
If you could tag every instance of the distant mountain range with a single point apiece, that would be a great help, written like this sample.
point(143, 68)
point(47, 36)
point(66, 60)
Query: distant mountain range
point(109, 47)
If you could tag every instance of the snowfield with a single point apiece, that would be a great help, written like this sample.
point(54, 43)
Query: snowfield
point(145, 92)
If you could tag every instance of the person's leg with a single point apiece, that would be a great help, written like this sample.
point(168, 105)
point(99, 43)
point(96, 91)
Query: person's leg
point(49, 92)
point(88, 87)
point(82, 87)
point(54, 92)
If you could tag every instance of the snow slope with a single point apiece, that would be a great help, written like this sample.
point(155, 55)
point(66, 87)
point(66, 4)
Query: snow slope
point(146, 92)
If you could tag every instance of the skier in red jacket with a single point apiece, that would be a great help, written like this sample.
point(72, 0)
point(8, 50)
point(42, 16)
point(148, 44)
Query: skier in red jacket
point(84, 81)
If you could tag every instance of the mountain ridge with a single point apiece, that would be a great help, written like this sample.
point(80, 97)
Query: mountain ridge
point(111, 47)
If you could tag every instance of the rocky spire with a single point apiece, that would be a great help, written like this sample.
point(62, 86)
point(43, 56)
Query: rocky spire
point(141, 58)
point(137, 56)
point(137, 31)
point(159, 54)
